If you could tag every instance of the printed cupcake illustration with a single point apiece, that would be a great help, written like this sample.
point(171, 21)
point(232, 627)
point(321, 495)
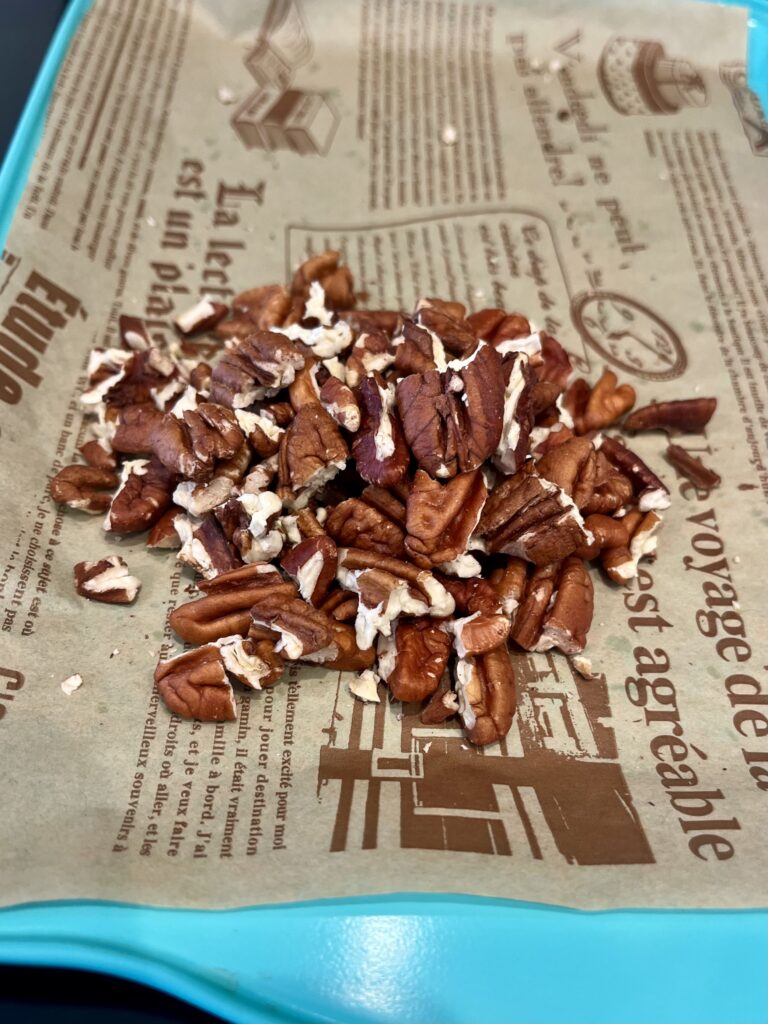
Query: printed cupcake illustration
point(637, 77)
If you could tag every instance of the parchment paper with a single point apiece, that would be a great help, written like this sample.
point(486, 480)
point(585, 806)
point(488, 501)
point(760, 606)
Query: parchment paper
point(602, 169)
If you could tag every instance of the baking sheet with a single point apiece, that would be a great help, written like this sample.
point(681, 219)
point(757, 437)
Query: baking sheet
point(605, 830)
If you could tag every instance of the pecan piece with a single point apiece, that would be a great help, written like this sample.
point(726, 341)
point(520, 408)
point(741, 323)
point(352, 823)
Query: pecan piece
point(195, 685)
point(306, 633)
point(572, 467)
point(350, 657)
point(419, 349)
point(254, 368)
point(225, 610)
point(479, 633)
point(651, 492)
point(621, 560)
point(190, 441)
point(601, 405)
point(143, 496)
point(688, 415)
point(312, 451)
point(201, 317)
point(253, 662)
point(509, 582)
point(379, 447)
point(442, 705)
point(136, 425)
point(555, 362)
point(205, 547)
point(357, 524)
point(312, 563)
point(442, 517)
point(250, 522)
point(98, 454)
point(413, 660)
point(335, 280)
point(557, 608)
point(84, 488)
point(485, 687)
point(264, 307)
point(261, 430)
point(164, 533)
point(371, 353)
point(133, 333)
point(690, 467)
point(340, 403)
point(531, 518)
point(473, 595)
point(200, 499)
point(518, 414)
point(106, 580)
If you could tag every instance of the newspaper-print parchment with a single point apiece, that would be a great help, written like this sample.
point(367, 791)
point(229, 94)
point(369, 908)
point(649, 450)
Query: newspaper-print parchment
point(602, 169)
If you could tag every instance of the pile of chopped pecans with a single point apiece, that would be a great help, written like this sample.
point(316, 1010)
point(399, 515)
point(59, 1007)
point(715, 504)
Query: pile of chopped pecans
point(372, 491)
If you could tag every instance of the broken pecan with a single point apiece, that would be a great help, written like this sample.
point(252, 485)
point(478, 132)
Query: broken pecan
point(349, 657)
point(312, 563)
point(306, 633)
point(252, 661)
point(136, 425)
point(650, 491)
point(255, 367)
point(164, 533)
point(205, 547)
point(690, 467)
point(84, 487)
point(190, 441)
point(133, 333)
point(442, 705)
point(195, 685)
point(336, 282)
point(371, 353)
point(357, 524)
point(442, 517)
point(201, 317)
point(557, 608)
point(340, 403)
point(225, 610)
point(532, 518)
point(485, 686)
point(250, 522)
point(264, 307)
point(620, 561)
point(107, 580)
point(479, 633)
point(509, 582)
point(601, 405)
point(379, 447)
point(555, 362)
point(419, 349)
point(261, 430)
point(312, 451)
point(413, 660)
point(612, 490)
point(143, 496)
point(572, 467)
point(688, 416)
point(518, 415)
point(473, 595)
point(98, 454)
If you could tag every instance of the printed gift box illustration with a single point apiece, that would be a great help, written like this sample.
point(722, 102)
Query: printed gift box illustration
point(637, 77)
point(277, 116)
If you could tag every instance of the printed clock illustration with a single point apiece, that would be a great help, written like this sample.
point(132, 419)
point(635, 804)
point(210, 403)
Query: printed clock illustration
point(629, 335)
point(637, 77)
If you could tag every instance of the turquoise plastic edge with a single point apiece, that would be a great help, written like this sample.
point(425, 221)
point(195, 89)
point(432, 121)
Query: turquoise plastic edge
point(432, 957)
point(21, 152)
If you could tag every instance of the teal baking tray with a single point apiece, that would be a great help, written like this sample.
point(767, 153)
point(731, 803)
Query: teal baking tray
point(402, 958)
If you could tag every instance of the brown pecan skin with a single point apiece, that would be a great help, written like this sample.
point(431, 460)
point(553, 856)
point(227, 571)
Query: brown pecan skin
point(226, 608)
point(422, 649)
point(195, 685)
point(692, 468)
point(142, 499)
point(84, 487)
point(374, 466)
point(356, 524)
point(441, 517)
point(687, 416)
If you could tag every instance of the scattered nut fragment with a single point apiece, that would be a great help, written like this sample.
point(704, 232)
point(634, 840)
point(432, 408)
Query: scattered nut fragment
point(365, 687)
point(143, 496)
point(84, 488)
point(692, 468)
point(201, 317)
point(72, 683)
point(688, 415)
point(311, 453)
point(582, 665)
point(107, 580)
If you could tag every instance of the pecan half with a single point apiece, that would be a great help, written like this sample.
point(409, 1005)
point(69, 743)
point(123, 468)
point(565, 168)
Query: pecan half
point(312, 451)
point(136, 425)
point(225, 610)
point(143, 496)
point(107, 580)
point(164, 533)
point(98, 454)
point(442, 517)
point(557, 608)
point(531, 518)
point(312, 563)
point(485, 687)
point(413, 660)
point(306, 633)
point(651, 492)
point(190, 441)
point(357, 524)
point(601, 405)
point(572, 467)
point(379, 447)
point(255, 367)
point(479, 633)
point(195, 685)
point(688, 415)
point(690, 467)
point(84, 487)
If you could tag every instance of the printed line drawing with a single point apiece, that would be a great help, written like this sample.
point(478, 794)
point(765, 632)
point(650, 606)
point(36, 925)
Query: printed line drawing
point(553, 789)
point(637, 77)
point(734, 76)
point(278, 116)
